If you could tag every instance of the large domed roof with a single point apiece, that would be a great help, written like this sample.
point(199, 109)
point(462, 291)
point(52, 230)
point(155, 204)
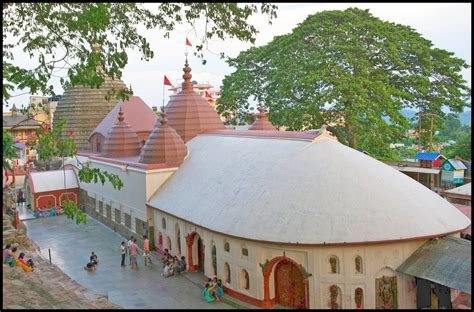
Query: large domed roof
point(85, 107)
point(121, 140)
point(164, 145)
point(300, 192)
point(189, 113)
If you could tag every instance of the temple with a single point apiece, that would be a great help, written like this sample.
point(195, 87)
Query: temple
point(286, 218)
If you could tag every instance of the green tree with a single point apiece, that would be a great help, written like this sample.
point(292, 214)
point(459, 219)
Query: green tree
point(61, 35)
point(461, 148)
point(350, 70)
point(9, 152)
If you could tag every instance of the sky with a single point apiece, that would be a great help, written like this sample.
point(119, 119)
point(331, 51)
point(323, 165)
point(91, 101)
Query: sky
point(447, 25)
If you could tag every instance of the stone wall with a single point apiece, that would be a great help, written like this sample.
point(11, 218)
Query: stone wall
point(88, 205)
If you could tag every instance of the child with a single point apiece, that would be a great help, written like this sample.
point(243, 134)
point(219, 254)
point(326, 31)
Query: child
point(176, 265)
point(183, 264)
point(123, 252)
point(90, 267)
point(220, 290)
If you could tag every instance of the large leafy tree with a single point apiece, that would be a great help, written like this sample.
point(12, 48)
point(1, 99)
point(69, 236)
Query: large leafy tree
point(350, 70)
point(62, 35)
point(9, 152)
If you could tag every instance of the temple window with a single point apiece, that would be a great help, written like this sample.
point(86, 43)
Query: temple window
point(244, 280)
point(214, 258)
point(163, 223)
point(227, 273)
point(358, 264)
point(168, 242)
point(245, 252)
point(227, 246)
point(178, 238)
point(333, 265)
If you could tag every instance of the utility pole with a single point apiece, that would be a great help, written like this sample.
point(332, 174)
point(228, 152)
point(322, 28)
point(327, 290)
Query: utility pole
point(431, 132)
point(419, 130)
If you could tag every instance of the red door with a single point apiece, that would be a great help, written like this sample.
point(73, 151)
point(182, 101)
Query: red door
point(289, 286)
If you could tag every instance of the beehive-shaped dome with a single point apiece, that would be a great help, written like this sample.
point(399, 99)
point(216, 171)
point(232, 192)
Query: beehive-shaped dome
point(189, 113)
point(164, 145)
point(121, 140)
point(262, 122)
point(84, 108)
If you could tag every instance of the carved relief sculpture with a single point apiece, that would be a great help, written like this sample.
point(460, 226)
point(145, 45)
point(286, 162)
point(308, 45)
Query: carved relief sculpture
point(358, 298)
point(333, 262)
point(387, 294)
point(334, 293)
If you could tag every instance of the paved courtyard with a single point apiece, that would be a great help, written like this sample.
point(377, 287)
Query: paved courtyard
point(71, 245)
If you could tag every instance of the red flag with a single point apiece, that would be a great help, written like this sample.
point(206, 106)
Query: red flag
point(188, 43)
point(167, 82)
point(46, 127)
point(208, 95)
point(6, 175)
point(70, 133)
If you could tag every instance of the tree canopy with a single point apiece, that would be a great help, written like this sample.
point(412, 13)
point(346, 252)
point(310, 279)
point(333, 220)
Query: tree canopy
point(61, 35)
point(350, 70)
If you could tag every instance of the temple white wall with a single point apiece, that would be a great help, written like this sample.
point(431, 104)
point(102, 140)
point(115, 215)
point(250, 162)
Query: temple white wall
point(138, 186)
point(378, 260)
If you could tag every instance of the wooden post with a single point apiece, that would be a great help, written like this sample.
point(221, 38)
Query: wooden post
point(419, 131)
point(49, 251)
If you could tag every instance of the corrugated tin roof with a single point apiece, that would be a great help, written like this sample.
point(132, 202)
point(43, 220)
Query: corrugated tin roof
point(46, 181)
point(446, 261)
point(461, 190)
point(416, 169)
point(428, 156)
point(467, 212)
point(10, 121)
point(317, 192)
point(457, 164)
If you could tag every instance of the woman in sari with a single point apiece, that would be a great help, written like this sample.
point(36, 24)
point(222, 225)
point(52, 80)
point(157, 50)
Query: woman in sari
point(207, 294)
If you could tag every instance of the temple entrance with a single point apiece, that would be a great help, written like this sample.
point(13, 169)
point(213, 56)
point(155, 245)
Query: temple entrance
point(195, 252)
point(289, 285)
point(200, 247)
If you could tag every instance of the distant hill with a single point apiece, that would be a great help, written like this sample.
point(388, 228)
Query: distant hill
point(465, 117)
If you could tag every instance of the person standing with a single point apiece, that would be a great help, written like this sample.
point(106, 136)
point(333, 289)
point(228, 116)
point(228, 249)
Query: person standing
point(129, 244)
point(123, 252)
point(134, 253)
point(146, 249)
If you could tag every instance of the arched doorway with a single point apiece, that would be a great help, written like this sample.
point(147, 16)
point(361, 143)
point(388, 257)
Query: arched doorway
point(160, 241)
point(200, 247)
point(289, 285)
point(214, 258)
point(195, 250)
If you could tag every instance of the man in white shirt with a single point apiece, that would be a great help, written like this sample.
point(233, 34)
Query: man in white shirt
point(129, 244)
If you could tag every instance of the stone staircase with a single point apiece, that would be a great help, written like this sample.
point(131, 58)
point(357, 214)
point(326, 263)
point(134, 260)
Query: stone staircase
point(11, 235)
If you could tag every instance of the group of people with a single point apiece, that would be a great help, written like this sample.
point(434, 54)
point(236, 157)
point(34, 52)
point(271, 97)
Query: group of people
point(45, 212)
point(132, 250)
point(9, 258)
point(93, 261)
point(172, 264)
point(213, 290)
